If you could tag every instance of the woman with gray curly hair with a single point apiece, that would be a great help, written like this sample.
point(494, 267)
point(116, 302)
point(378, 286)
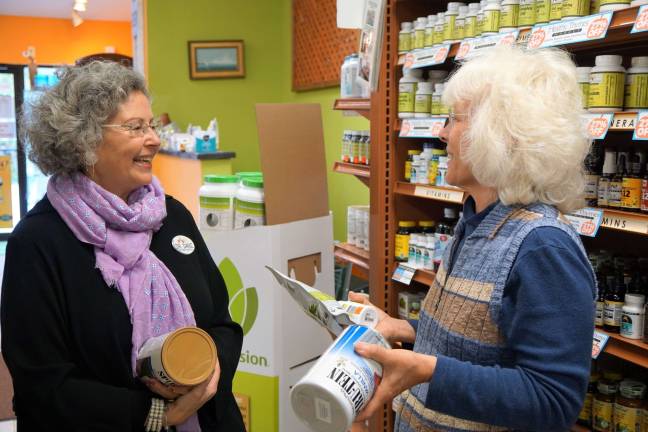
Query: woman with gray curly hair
point(504, 337)
point(101, 264)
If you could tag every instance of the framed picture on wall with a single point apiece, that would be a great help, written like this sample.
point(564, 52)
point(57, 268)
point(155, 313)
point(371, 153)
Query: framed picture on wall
point(216, 59)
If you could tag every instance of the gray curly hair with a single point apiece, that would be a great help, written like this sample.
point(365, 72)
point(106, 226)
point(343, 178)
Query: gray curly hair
point(63, 129)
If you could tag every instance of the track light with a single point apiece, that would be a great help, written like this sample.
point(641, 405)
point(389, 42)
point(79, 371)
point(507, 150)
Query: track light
point(76, 19)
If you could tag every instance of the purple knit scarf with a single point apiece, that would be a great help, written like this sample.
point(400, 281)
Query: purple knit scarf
point(121, 234)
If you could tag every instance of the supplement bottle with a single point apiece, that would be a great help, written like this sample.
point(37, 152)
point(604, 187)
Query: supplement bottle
point(450, 26)
point(492, 13)
point(442, 170)
point(636, 85)
point(629, 406)
point(423, 101)
point(419, 33)
point(250, 204)
point(613, 5)
point(460, 28)
point(403, 234)
point(615, 188)
point(438, 28)
point(600, 301)
point(583, 77)
point(603, 404)
point(408, 163)
point(609, 171)
point(436, 76)
point(631, 187)
point(436, 106)
point(644, 192)
point(411, 255)
point(444, 233)
point(405, 38)
point(632, 316)
point(364, 147)
point(407, 93)
point(428, 263)
point(592, 168)
point(426, 227)
point(480, 18)
point(429, 31)
point(356, 144)
point(526, 14)
point(509, 16)
point(555, 11)
point(575, 8)
point(217, 202)
point(594, 7)
point(470, 25)
point(542, 11)
point(635, 3)
point(585, 415)
point(614, 301)
point(346, 146)
point(607, 80)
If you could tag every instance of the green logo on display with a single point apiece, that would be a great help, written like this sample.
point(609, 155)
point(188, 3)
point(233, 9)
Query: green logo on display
point(244, 302)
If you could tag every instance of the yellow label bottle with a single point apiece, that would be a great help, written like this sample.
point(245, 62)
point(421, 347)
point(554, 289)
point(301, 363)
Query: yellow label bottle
point(438, 28)
point(449, 28)
point(628, 406)
point(583, 77)
point(510, 15)
point(429, 35)
point(527, 13)
point(405, 38)
point(491, 20)
point(543, 11)
point(555, 14)
point(602, 415)
point(631, 194)
point(575, 8)
point(636, 84)
point(607, 81)
point(419, 33)
point(470, 27)
point(595, 6)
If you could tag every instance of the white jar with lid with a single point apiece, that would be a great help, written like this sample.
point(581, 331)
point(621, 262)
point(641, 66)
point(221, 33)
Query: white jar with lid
point(509, 16)
point(407, 86)
point(435, 108)
point(450, 26)
point(555, 11)
point(250, 203)
point(419, 33)
point(636, 84)
point(583, 77)
point(429, 31)
point(405, 38)
point(613, 5)
point(527, 14)
point(607, 81)
point(422, 105)
point(632, 316)
point(438, 29)
point(470, 25)
point(635, 3)
point(492, 13)
point(216, 197)
point(460, 25)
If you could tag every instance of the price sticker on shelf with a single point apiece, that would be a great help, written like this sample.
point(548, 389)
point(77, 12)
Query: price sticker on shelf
point(598, 124)
point(409, 60)
point(641, 126)
point(404, 274)
point(473, 46)
point(641, 22)
point(423, 128)
point(441, 194)
point(575, 30)
point(586, 221)
point(600, 340)
point(429, 56)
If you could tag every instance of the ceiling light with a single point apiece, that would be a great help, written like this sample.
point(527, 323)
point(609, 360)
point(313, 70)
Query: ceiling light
point(79, 6)
point(76, 19)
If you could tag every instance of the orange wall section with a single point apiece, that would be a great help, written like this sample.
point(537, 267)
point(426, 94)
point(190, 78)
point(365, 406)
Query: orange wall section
point(57, 41)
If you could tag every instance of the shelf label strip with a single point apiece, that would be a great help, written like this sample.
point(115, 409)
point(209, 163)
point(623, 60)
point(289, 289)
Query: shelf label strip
point(586, 221)
point(428, 57)
point(625, 223)
point(423, 128)
point(575, 30)
point(624, 121)
point(598, 124)
point(471, 47)
point(641, 128)
point(440, 194)
point(404, 274)
point(641, 22)
point(598, 345)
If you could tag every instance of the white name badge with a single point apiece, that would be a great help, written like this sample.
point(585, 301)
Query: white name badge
point(183, 244)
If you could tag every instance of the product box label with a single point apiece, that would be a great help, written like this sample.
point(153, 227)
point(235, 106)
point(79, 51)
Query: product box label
point(423, 128)
point(598, 124)
point(428, 57)
point(598, 345)
point(576, 30)
point(470, 47)
point(586, 221)
point(641, 22)
point(403, 274)
point(641, 128)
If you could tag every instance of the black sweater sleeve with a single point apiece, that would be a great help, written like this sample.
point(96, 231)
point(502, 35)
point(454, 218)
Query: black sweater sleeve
point(36, 346)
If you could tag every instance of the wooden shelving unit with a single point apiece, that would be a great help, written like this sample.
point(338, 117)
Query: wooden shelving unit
point(631, 350)
point(362, 172)
point(437, 193)
point(361, 106)
point(636, 223)
point(358, 257)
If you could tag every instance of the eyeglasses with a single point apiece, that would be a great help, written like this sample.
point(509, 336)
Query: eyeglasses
point(452, 118)
point(137, 128)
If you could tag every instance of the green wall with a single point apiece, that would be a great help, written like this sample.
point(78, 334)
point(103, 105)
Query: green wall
point(265, 27)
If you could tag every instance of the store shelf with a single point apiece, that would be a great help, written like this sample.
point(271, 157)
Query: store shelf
point(625, 221)
point(438, 193)
point(361, 106)
point(630, 350)
point(356, 256)
point(618, 33)
point(422, 276)
point(624, 121)
point(360, 171)
point(579, 428)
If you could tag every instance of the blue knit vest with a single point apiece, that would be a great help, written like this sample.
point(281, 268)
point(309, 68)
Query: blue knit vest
point(461, 312)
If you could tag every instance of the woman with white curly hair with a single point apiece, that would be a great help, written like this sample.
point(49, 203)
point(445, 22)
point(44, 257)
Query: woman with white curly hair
point(504, 337)
point(95, 269)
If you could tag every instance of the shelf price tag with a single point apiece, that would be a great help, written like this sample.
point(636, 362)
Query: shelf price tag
point(641, 22)
point(423, 128)
point(600, 340)
point(598, 124)
point(576, 30)
point(641, 126)
point(429, 56)
point(586, 221)
point(470, 47)
point(624, 121)
point(404, 274)
point(454, 196)
point(637, 224)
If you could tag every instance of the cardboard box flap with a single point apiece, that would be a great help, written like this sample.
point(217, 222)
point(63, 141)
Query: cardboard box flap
point(293, 162)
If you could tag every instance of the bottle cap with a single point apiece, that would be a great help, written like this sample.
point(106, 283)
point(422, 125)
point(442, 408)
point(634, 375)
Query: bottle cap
point(632, 389)
point(639, 62)
point(583, 73)
point(431, 20)
point(407, 26)
point(407, 224)
point(453, 7)
point(609, 166)
point(463, 11)
point(427, 224)
point(438, 87)
point(253, 182)
point(473, 8)
point(221, 179)
point(606, 60)
point(424, 87)
point(635, 299)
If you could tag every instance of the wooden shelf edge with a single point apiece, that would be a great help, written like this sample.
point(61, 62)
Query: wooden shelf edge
point(436, 193)
point(618, 220)
point(361, 172)
point(579, 428)
point(356, 256)
point(422, 276)
point(627, 349)
point(359, 104)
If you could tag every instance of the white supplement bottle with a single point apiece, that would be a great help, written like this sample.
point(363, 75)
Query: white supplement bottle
point(542, 11)
point(470, 26)
point(217, 202)
point(555, 12)
point(422, 104)
point(429, 31)
point(437, 76)
point(250, 203)
point(632, 316)
point(575, 8)
point(481, 16)
point(438, 28)
point(450, 26)
point(435, 108)
point(349, 87)
point(509, 16)
point(492, 13)
point(613, 5)
point(607, 80)
point(419, 33)
point(583, 77)
point(405, 38)
point(407, 93)
point(460, 28)
point(527, 14)
point(636, 84)
point(635, 3)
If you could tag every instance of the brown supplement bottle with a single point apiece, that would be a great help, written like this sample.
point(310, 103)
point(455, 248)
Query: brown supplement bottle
point(644, 192)
point(603, 404)
point(615, 187)
point(631, 189)
point(405, 228)
point(408, 163)
point(628, 406)
point(614, 300)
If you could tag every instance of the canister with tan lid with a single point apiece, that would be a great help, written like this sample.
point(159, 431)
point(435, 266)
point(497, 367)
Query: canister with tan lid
point(186, 356)
point(628, 406)
point(607, 80)
point(603, 405)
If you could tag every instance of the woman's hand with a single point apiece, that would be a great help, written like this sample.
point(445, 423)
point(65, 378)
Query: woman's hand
point(186, 405)
point(402, 369)
point(393, 329)
point(168, 392)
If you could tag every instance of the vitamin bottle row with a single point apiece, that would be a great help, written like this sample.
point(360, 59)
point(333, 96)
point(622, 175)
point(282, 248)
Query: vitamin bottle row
point(356, 147)
point(421, 98)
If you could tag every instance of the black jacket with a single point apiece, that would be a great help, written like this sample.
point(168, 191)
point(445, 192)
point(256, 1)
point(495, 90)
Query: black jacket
point(66, 335)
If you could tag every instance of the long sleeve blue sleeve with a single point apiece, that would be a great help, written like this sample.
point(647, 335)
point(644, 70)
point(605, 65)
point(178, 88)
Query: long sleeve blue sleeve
point(547, 321)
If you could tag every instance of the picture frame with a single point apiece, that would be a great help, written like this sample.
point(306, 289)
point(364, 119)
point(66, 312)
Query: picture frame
point(216, 59)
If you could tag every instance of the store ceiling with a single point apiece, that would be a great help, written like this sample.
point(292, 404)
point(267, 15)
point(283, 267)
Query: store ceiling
point(106, 10)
